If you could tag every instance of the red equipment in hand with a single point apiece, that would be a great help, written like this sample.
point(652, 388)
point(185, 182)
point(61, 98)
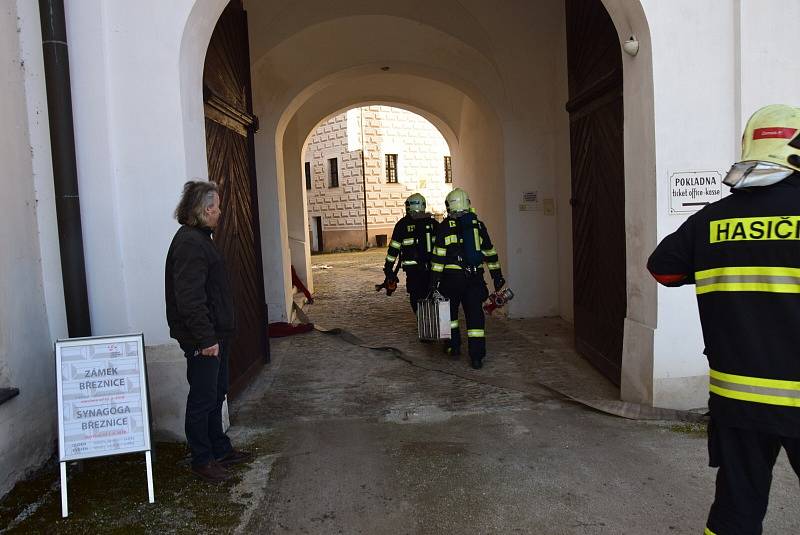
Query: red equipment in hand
point(498, 299)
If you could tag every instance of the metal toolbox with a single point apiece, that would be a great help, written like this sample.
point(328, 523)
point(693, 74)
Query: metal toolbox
point(433, 317)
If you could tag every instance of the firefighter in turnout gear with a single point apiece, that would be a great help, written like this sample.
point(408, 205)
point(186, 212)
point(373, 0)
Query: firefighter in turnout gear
point(411, 246)
point(462, 246)
point(742, 253)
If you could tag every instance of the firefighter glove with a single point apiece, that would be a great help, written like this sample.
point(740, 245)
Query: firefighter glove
point(499, 282)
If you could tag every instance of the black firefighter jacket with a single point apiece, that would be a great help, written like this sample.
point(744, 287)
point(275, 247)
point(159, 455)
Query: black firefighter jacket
point(200, 308)
point(742, 253)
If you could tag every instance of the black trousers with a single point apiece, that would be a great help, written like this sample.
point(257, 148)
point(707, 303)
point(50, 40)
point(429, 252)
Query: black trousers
point(208, 385)
point(468, 292)
point(745, 459)
point(417, 282)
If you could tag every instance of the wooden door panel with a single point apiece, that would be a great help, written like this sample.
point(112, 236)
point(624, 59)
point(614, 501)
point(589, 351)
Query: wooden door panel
point(598, 184)
point(229, 146)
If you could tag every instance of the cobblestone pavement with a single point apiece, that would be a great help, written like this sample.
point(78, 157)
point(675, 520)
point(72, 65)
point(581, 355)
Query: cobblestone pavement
point(371, 444)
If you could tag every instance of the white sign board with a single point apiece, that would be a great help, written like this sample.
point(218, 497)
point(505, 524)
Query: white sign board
point(530, 201)
point(102, 397)
point(690, 191)
point(103, 408)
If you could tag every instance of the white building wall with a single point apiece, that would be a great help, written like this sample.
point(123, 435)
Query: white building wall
point(387, 130)
point(710, 74)
point(27, 422)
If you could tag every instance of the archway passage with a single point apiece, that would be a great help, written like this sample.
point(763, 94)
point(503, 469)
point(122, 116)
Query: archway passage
point(598, 184)
point(230, 125)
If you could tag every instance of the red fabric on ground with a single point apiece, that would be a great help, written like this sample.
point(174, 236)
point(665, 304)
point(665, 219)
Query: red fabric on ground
point(279, 329)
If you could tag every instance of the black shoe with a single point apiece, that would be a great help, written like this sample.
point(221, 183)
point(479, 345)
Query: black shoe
point(211, 472)
point(476, 364)
point(235, 457)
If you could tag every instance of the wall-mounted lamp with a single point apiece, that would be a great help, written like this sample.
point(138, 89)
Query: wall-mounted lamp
point(631, 46)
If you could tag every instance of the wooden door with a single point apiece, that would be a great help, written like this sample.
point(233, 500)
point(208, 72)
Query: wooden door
point(230, 125)
point(598, 184)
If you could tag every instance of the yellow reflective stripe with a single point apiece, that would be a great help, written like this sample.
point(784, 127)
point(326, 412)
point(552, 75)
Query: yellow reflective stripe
point(454, 324)
point(748, 279)
point(755, 381)
point(756, 398)
point(747, 270)
point(452, 238)
point(490, 252)
point(749, 287)
point(409, 262)
point(755, 389)
point(439, 251)
point(452, 266)
point(477, 237)
point(493, 265)
point(475, 333)
point(708, 532)
point(408, 241)
point(395, 244)
point(755, 229)
point(437, 267)
point(390, 258)
point(428, 241)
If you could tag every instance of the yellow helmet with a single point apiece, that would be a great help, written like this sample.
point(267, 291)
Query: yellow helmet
point(770, 148)
point(415, 204)
point(457, 201)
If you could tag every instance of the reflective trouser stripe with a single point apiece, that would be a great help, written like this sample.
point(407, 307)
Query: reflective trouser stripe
point(390, 258)
point(408, 241)
point(476, 333)
point(748, 279)
point(409, 262)
point(452, 266)
point(493, 265)
point(437, 267)
point(490, 252)
point(454, 324)
point(755, 389)
point(395, 244)
point(708, 532)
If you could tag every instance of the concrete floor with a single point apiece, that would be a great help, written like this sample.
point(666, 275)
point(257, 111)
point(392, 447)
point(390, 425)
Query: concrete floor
point(368, 443)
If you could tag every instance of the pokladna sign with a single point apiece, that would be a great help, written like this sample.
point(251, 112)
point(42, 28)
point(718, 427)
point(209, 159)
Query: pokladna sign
point(690, 191)
point(103, 406)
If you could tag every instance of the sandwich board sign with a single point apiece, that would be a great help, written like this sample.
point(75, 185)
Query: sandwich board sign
point(103, 406)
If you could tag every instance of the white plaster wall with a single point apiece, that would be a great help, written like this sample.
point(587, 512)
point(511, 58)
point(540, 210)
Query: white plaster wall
point(694, 131)
point(26, 351)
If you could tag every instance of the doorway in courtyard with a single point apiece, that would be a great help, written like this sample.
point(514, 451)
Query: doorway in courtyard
point(595, 109)
point(359, 167)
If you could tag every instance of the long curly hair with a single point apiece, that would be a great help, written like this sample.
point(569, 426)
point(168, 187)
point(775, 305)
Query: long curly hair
point(196, 197)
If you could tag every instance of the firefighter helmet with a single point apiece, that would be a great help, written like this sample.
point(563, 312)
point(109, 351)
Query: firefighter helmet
point(457, 201)
point(770, 148)
point(415, 204)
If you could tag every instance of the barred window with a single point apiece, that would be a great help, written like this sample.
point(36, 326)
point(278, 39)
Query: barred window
point(333, 165)
point(308, 175)
point(448, 170)
point(391, 168)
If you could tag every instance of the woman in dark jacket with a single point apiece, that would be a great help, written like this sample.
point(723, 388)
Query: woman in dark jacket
point(201, 317)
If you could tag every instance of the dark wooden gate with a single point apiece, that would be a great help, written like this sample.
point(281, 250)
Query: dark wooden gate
point(230, 125)
point(598, 184)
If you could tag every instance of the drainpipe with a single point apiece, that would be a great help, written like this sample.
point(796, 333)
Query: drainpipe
point(364, 176)
point(65, 174)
